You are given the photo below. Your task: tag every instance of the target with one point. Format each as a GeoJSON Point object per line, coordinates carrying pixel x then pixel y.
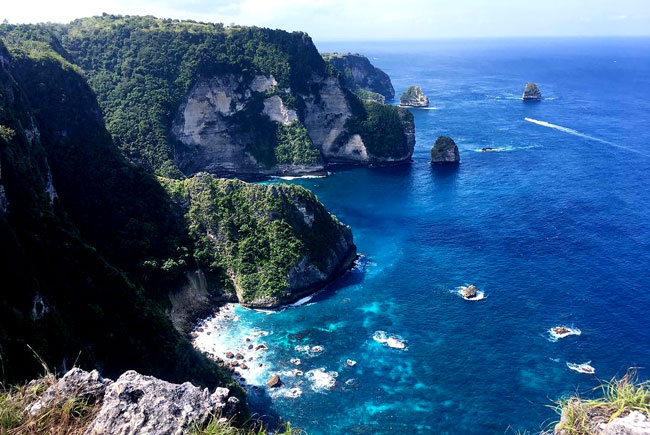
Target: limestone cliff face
{"type": "Point", "coordinates": [358, 72]}
{"type": "Point", "coordinates": [223, 126]}
{"type": "Point", "coordinates": [326, 116]}
{"type": "Point", "coordinates": [211, 132]}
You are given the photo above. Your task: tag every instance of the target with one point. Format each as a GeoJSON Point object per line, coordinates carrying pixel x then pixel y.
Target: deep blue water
{"type": "Point", "coordinates": [555, 230]}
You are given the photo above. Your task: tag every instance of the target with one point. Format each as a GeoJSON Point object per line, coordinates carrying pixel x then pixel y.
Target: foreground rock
{"type": "Point", "coordinates": [88, 386]}
{"type": "Point", "coordinates": [275, 244]}
{"type": "Point", "coordinates": [359, 74]}
{"type": "Point", "coordinates": [532, 92]}
{"type": "Point", "coordinates": [598, 422]}
{"type": "Point", "coordinates": [445, 151]}
{"type": "Point", "coordinates": [414, 97]}
{"type": "Point", "coordinates": [137, 404]}
{"type": "Point", "coordinates": [146, 405]}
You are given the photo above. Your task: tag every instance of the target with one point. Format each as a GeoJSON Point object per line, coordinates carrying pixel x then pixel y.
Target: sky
{"type": "Point", "coordinates": [331, 20]}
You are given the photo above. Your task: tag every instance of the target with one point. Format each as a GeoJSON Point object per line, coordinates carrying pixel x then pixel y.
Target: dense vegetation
{"type": "Point", "coordinates": [295, 147]}
{"type": "Point", "coordinates": [361, 77]}
{"type": "Point", "coordinates": [142, 67]}
{"type": "Point", "coordinates": [254, 234]}
{"type": "Point", "coordinates": [382, 128]}
{"type": "Point", "coordinates": [91, 245]}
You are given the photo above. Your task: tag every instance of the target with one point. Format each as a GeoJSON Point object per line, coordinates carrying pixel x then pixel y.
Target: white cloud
{"type": "Point", "coordinates": [369, 19]}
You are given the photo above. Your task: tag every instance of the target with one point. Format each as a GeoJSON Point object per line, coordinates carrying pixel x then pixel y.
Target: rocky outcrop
{"type": "Point", "coordinates": [359, 73]}
{"type": "Point", "coordinates": [469, 291]}
{"type": "Point", "coordinates": [598, 421]}
{"type": "Point", "coordinates": [77, 383]}
{"type": "Point", "coordinates": [414, 97]}
{"type": "Point", "coordinates": [284, 245]}
{"type": "Point", "coordinates": [137, 404]}
{"type": "Point", "coordinates": [445, 151]}
{"type": "Point", "coordinates": [532, 92]}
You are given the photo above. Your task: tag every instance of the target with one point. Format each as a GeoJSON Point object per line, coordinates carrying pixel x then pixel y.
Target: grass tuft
{"type": "Point", "coordinates": [619, 397]}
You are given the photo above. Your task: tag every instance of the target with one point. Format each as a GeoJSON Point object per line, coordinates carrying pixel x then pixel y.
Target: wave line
{"type": "Point", "coordinates": [585, 136]}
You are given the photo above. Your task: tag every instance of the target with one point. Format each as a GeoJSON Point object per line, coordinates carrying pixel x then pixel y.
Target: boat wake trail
{"type": "Point", "coordinates": [582, 135]}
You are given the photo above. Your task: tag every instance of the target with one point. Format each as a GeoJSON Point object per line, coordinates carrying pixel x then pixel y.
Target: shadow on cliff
{"type": "Point", "coordinates": [354, 276]}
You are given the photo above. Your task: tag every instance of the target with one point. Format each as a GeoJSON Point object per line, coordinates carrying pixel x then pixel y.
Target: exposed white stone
{"type": "Point", "coordinates": [263, 83]}
{"type": "Point", "coordinates": [275, 109]}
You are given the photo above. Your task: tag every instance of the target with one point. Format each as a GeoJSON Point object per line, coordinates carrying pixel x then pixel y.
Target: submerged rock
{"type": "Point", "coordinates": [532, 92]}
{"type": "Point", "coordinates": [445, 151]}
{"type": "Point", "coordinates": [414, 97]}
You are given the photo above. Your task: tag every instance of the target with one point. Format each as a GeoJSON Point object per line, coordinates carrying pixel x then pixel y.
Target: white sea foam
{"type": "Point", "coordinates": [296, 177]}
{"type": "Point", "coordinates": [585, 368]}
{"type": "Point", "coordinates": [558, 332]}
{"type": "Point", "coordinates": [321, 379]}
{"type": "Point", "coordinates": [585, 136]}
{"type": "Point", "coordinates": [390, 340]}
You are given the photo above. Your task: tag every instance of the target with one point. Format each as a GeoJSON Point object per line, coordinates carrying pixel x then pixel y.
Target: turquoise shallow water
{"type": "Point", "coordinates": [554, 230]}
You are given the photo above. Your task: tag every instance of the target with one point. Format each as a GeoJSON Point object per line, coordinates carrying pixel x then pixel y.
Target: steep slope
{"type": "Point", "coordinates": [84, 260]}
{"type": "Point", "coordinates": [362, 77]}
{"type": "Point", "coordinates": [275, 243]}
{"type": "Point", "coordinates": [182, 97]}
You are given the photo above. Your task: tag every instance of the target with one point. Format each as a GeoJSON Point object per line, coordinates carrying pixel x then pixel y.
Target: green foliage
{"type": "Point", "coordinates": [382, 128]}
{"type": "Point", "coordinates": [365, 94]}
{"type": "Point", "coordinates": [219, 427]}
{"type": "Point", "coordinates": [142, 67]}
{"type": "Point", "coordinates": [294, 145]}
{"type": "Point", "coordinates": [619, 396]}
{"type": "Point", "coordinates": [102, 255]}
{"type": "Point", "coordinates": [254, 234]}
{"type": "Point", "coordinates": [412, 93]}
{"type": "Point", "coordinates": [6, 133]}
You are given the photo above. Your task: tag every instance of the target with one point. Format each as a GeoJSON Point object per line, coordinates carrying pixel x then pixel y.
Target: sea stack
{"type": "Point", "coordinates": [531, 92]}
{"type": "Point", "coordinates": [445, 151]}
{"type": "Point", "coordinates": [414, 97]}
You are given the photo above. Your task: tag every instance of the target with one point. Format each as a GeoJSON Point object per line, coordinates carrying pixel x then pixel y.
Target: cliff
{"type": "Point", "coordinates": [273, 244]}
{"type": "Point", "coordinates": [90, 244]}
{"type": "Point", "coordinates": [183, 97]}
{"type": "Point", "coordinates": [445, 150]}
{"type": "Point", "coordinates": [106, 268]}
{"type": "Point", "coordinates": [361, 77]}
{"type": "Point", "coordinates": [531, 92]}
{"type": "Point", "coordinates": [414, 97]}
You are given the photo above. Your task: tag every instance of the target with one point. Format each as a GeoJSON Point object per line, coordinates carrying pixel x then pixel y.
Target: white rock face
{"type": "Point", "coordinates": [635, 423]}
{"type": "Point", "coordinates": [89, 386]}
{"type": "Point", "coordinates": [137, 404]}
{"type": "Point", "coordinates": [325, 118]}
{"type": "Point", "coordinates": [275, 109]}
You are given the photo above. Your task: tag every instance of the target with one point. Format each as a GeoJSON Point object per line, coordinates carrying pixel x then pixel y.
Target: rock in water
{"type": "Point", "coordinates": [445, 151]}
{"type": "Point", "coordinates": [414, 97]}
{"type": "Point", "coordinates": [469, 291]}
{"type": "Point", "coordinates": [532, 92]}
{"type": "Point", "coordinates": [274, 381]}
{"type": "Point", "coordinates": [145, 405]}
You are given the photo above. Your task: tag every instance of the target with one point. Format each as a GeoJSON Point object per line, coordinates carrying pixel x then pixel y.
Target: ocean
{"type": "Point", "coordinates": [554, 229]}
